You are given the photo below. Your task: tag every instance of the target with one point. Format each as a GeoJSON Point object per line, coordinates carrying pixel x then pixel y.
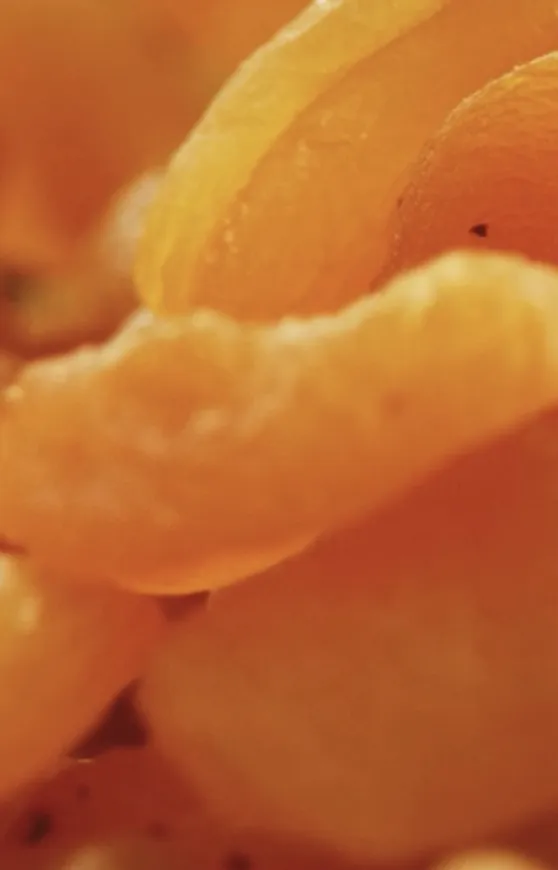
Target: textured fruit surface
{"type": "Point", "coordinates": [319, 129]}
{"type": "Point", "coordinates": [487, 180]}
{"type": "Point", "coordinates": [65, 652]}
{"type": "Point", "coordinates": [201, 423]}
{"type": "Point", "coordinates": [395, 688]}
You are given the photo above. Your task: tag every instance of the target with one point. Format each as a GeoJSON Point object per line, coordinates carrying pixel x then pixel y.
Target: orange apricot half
{"type": "Point", "coordinates": [393, 690]}
{"type": "Point", "coordinates": [189, 452]}
{"type": "Point", "coordinates": [487, 179]}
{"type": "Point", "coordinates": [279, 200]}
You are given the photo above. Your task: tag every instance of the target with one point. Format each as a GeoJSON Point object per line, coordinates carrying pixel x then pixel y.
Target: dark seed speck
{"type": "Point", "coordinates": [480, 230]}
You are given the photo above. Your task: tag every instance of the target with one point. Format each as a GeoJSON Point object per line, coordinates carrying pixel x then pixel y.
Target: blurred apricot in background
{"type": "Point", "coordinates": [91, 94]}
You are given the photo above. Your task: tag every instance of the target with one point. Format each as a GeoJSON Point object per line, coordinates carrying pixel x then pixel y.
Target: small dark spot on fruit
{"type": "Point", "coordinates": [480, 230]}
{"type": "Point", "coordinates": [38, 826]}
{"type": "Point", "coordinates": [237, 861]}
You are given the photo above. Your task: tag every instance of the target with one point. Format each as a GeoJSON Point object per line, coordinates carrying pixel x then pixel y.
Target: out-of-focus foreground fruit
{"type": "Point", "coordinates": [92, 93]}
{"type": "Point", "coordinates": [87, 294]}
{"type": "Point", "coordinates": [128, 810]}
{"type": "Point", "coordinates": [394, 690]}
{"type": "Point", "coordinates": [65, 652]}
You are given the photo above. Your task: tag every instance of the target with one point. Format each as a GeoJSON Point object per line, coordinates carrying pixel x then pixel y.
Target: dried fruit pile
{"type": "Point", "coordinates": [304, 363]}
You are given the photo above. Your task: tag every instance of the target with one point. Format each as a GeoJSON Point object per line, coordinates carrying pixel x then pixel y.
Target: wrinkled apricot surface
{"type": "Point", "coordinates": [319, 129]}
{"type": "Point", "coordinates": [487, 179]}
{"type": "Point", "coordinates": [204, 424]}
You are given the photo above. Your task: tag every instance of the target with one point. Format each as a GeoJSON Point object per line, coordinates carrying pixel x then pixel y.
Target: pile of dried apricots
{"type": "Point", "coordinates": [278, 434]}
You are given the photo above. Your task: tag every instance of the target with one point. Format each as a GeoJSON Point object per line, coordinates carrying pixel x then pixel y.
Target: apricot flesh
{"type": "Point", "coordinates": [393, 690]}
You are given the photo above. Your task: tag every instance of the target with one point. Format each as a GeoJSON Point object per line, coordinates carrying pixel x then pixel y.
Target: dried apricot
{"type": "Point", "coordinates": [279, 201]}
{"type": "Point", "coordinates": [487, 179]}
{"type": "Point", "coordinates": [129, 807]}
{"type": "Point", "coordinates": [122, 793]}
{"type": "Point", "coordinates": [189, 452]}
{"type": "Point", "coordinates": [394, 690]}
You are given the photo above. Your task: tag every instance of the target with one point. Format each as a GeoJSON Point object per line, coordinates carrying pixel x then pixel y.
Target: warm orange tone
{"type": "Point", "coordinates": [91, 93]}
{"type": "Point", "coordinates": [206, 849]}
{"type": "Point", "coordinates": [255, 439]}
{"type": "Point", "coordinates": [65, 652]}
{"type": "Point", "coordinates": [488, 179]}
{"type": "Point", "coordinates": [131, 853]}
{"type": "Point", "coordinates": [88, 294]}
{"type": "Point", "coordinates": [129, 810]}
{"type": "Point", "coordinates": [318, 130]}
{"type": "Point", "coordinates": [120, 794]}
{"type": "Point", "coordinates": [395, 688]}
{"type": "Point", "coordinates": [9, 366]}
{"type": "Point", "coordinates": [490, 860]}
{"type": "Point", "coordinates": [378, 454]}
{"type": "Point", "coordinates": [220, 34]}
